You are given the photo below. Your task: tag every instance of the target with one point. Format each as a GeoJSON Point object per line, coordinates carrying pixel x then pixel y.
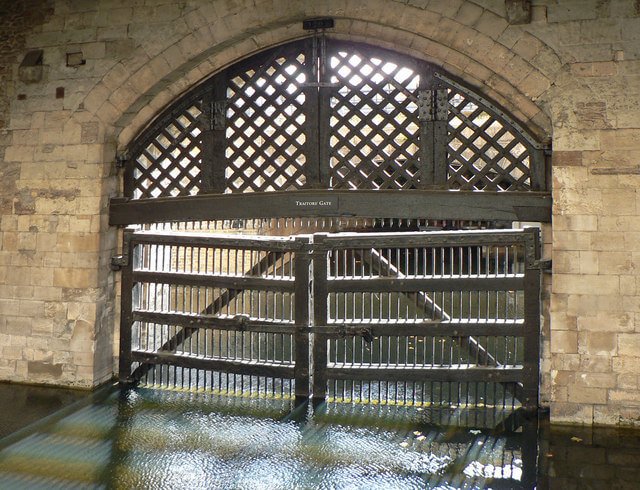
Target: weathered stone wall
{"type": "Point", "coordinates": [595, 336]}
{"type": "Point", "coordinates": [56, 292]}
{"type": "Point", "coordinates": [572, 74]}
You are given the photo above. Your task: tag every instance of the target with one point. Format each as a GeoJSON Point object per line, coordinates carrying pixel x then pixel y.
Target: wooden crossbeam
{"type": "Point", "coordinates": [185, 333]}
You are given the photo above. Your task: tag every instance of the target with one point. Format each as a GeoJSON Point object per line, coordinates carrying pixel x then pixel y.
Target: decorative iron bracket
{"type": "Point", "coordinates": [118, 262]}
{"type": "Point", "coordinates": [121, 159]}
{"type": "Point", "coordinates": [425, 105]}
{"type": "Point", "coordinates": [442, 104]}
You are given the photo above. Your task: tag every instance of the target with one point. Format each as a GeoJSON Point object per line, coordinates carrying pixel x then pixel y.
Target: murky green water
{"type": "Point", "coordinates": [163, 439]}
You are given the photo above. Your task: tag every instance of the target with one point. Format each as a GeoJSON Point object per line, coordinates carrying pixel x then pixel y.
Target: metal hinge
{"type": "Point", "coordinates": [242, 320]}
{"type": "Point", "coordinates": [118, 262]}
{"type": "Point", "coordinates": [121, 159]}
{"type": "Point", "coordinates": [545, 265]}
{"type": "Point", "coordinates": [365, 333]}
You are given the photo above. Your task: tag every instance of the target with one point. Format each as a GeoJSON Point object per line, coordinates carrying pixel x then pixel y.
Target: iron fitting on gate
{"type": "Point", "coordinates": [344, 331]}
{"type": "Point", "coordinates": [242, 321]}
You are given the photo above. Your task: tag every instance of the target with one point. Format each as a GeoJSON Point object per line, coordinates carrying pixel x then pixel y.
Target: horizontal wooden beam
{"type": "Point", "coordinates": [444, 373]}
{"type": "Point", "coordinates": [424, 329]}
{"type": "Point", "coordinates": [515, 328]}
{"type": "Point", "coordinates": [208, 280]}
{"type": "Point", "coordinates": [435, 284]}
{"type": "Point", "coordinates": [202, 321]}
{"type": "Point", "coordinates": [377, 240]}
{"type": "Point", "coordinates": [249, 368]}
{"type": "Point", "coordinates": [205, 239]}
{"type": "Point", "coordinates": [406, 204]}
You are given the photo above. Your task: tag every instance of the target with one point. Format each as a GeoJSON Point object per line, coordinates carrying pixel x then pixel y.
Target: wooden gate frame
{"type": "Point", "coordinates": [528, 376]}
{"type": "Point", "coordinates": [190, 324]}
{"type": "Point", "coordinates": [311, 258]}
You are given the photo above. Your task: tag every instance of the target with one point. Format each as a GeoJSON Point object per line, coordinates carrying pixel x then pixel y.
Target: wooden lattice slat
{"type": "Point", "coordinates": [169, 165]}
{"type": "Point", "coordinates": [334, 116]}
{"type": "Point", "coordinates": [483, 152]}
{"type": "Point", "coordinates": [265, 119]}
{"type": "Point", "coordinates": [374, 123]}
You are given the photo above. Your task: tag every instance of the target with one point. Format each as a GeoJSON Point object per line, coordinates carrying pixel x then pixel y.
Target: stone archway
{"type": "Point", "coordinates": [323, 127]}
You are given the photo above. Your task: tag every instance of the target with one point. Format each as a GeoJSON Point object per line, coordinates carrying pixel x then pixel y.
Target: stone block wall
{"type": "Point", "coordinates": [595, 359]}
{"type": "Point", "coordinates": [108, 66]}
{"type": "Point", "coordinates": [56, 291]}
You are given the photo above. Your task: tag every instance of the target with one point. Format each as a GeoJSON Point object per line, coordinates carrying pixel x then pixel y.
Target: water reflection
{"type": "Point", "coordinates": [165, 439]}
{"type": "Point", "coordinates": [21, 405]}
{"type": "Point", "coordinates": [589, 458]}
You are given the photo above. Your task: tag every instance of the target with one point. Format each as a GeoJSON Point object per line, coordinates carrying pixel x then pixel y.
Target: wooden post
{"type": "Point", "coordinates": [426, 117]}
{"type": "Point", "coordinates": [319, 360]}
{"type": "Point", "coordinates": [537, 167]}
{"type": "Point", "coordinates": [324, 116]}
{"type": "Point", "coordinates": [311, 122]}
{"type": "Point", "coordinates": [214, 138]}
{"type": "Point", "coordinates": [531, 374]}
{"type": "Point", "coordinates": [302, 333]}
{"type": "Point", "coordinates": [126, 313]}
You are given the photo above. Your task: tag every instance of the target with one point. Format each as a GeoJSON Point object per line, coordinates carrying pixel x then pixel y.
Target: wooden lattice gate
{"type": "Point", "coordinates": [436, 318]}
{"type": "Point", "coordinates": [339, 123]}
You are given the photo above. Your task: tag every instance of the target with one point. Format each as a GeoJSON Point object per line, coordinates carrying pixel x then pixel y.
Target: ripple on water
{"type": "Point", "coordinates": [175, 440]}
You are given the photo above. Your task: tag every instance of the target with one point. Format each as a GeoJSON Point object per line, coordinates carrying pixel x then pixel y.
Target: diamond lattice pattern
{"type": "Point", "coordinates": [265, 119]}
{"type": "Point", "coordinates": [374, 123]}
{"type": "Point", "coordinates": [483, 153]}
{"type": "Point", "coordinates": [170, 164]}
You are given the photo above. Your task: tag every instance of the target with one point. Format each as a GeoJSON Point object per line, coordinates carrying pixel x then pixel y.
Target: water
{"type": "Point", "coordinates": [155, 439]}
{"type": "Point", "coordinates": [21, 405]}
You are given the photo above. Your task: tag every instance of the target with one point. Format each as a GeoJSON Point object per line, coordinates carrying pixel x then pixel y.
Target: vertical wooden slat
{"type": "Point", "coordinates": [531, 375]}
{"type": "Point", "coordinates": [301, 337]}
{"type": "Point", "coordinates": [126, 313]}
{"type": "Point", "coordinates": [311, 122]}
{"type": "Point", "coordinates": [324, 115]}
{"type": "Point", "coordinates": [440, 162]}
{"type": "Point", "coordinates": [319, 361]}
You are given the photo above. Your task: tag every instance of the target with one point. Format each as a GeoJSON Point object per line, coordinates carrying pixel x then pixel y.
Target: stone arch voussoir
{"type": "Point", "coordinates": [478, 46]}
